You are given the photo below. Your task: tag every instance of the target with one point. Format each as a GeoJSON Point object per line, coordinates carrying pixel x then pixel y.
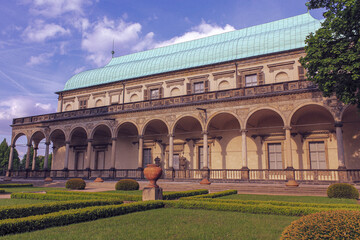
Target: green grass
{"type": "Point", "coordinates": [9, 202]}
{"type": "Point", "coordinates": [132, 192]}
{"type": "Point", "coordinates": [305, 199]}
{"type": "Point", "coordinates": [31, 189]}
{"type": "Point", "coordinates": [171, 224]}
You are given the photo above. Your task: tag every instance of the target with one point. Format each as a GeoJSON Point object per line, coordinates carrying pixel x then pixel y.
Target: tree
{"type": "Point", "coordinates": [332, 56]}
{"type": "Point", "coordinates": [4, 157]}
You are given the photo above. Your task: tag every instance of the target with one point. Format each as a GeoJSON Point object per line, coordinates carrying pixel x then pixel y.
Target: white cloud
{"type": "Point", "coordinates": [80, 69]}
{"type": "Point", "coordinates": [40, 31]}
{"type": "Point", "coordinates": [42, 58]}
{"type": "Point", "coordinates": [20, 107]}
{"type": "Point", "coordinates": [55, 8]}
{"type": "Point", "coordinates": [98, 39]}
{"type": "Point", "coordinates": [202, 30]}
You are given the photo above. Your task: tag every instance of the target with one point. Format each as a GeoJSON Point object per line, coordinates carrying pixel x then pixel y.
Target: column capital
{"type": "Point", "coordinates": [47, 143]}
{"type": "Point", "coordinates": [13, 145]}
{"type": "Point", "coordinates": [243, 130]}
{"type": "Point", "coordinates": [171, 135]}
{"type": "Point", "coordinates": [287, 127]}
{"type": "Point", "coordinates": [338, 124]}
{"type": "Point", "coordinates": [89, 140]}
{"type": "Point", "coordinates": [205, 132]}
{"type": "Point", "coordinates": [141, 136]}
{"type": "Point", "coordinates": [114, 139]}
{"type": "Point", "coordinates": [28, 145]}
{"type": "Point", "coordinates": [67, 142]}
{"type": "Point", "coordinates": [36, 148]}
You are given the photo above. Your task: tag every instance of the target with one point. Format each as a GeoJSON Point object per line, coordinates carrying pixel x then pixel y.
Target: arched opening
{"type": "Point", "coordinates": [37, 151]}
{"type": "Point", "coordinates": [155, 138]}
{"type": "Point", "coordinates": [188, 143]}
{"type": "Point", "coordinates": [224, 85]}
{"type": "Point", "coordinates": [101, 147]}
{"type": "Point", "coordinates": [19, 152]}
{"type": "Point", "coordinates": [266, 129]}
{"type": "Point", "coordinates": [78, 145]}
{"type": "Point", "coordinates": [134, 98]}
{"type": "Point", "coordinates": [314, 137]}
{"type": "Point", "coordinates": [127, 146]}
{"type": "Point", "coordinates": [281, 77]}
{"type": "Point", "coordinates": [175, 92]}
{"type": "Point", "coordinates": [68, 107]}
{"type": "Point", "coordinates": [57, 137]}
{"type": "Point", "coordinates": [351, 137]}
{"type": "Point", "coordinates": [99, 103]}
{"type": "Point", "coordinates": [225, 140]}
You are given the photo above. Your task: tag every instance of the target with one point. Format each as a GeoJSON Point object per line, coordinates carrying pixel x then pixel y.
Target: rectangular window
{"type": "Point", "coordinates": [275, 156]}
{"type": "Point", "coordinates": [176, 164]}
{"type": "Point", "coordinates": [147, 157]}
{"type": "Point", "coordinates": [154, 94]}
{"type": "Point", "coordinates": [317, 155]}
{"type": "Point", "coordinates": [251, 80]}
{"type": "Point", "coordinates": [82, 104]}
{"type": "Point", "coordinates": [199, 87]}
{"type": "Point", "coordinates": [201, 153]}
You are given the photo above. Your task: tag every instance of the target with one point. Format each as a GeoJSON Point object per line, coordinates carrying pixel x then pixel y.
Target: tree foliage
{"type": "Point", "coordinates": [332, 56]}
{"type": "Point", "coordinates": [4, 157]}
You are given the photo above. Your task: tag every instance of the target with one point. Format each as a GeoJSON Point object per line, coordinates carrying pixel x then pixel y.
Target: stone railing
{"type": "Point", "coordinates": [215, 175]}
{"type": "Point", "coordinates": [191, 99]}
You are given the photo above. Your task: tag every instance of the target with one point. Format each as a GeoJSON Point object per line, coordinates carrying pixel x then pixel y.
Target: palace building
{"type": "Point", "coordinates": [229, 107]}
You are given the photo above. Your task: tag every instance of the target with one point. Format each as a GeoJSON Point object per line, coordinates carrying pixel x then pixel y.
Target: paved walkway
{"type": "Point", "coordinates": [243, 188]}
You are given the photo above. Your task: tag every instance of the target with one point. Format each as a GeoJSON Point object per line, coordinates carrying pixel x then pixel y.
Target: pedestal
{"type": "Point", "coordinates": [152, 194]}
{"type": "Point", "coordinates": [98, 179]}
{"type": "Point", "coordinates": [48, 179]}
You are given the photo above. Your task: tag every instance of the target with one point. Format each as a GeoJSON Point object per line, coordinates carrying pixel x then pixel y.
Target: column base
{"type": "Point", "coordinates": [152, 194]}
{"type": "Point", "coordinates": [292, 183]}
{"type": "Point", "coordinates": [341, 168]}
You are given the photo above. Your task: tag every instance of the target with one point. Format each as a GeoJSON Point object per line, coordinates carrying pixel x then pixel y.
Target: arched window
{"type": "Point", "coordinates": [175, 92]}
{"type": "Point", "coordinates": [134, 98]}
{"type": "Point", "coordinates": [224, 85]}
{"type": "Point", "coordinates": [281, 77]}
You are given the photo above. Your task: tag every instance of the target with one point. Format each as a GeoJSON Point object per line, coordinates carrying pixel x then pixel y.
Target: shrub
{"type": "Point", "coordinates": [20, 211]}
{"type": "Point", "coordinates": [75, 183]}
{"type": "Point", "coordinates": [339, 224]}
{"type": "Point", "coordinates": [127, 185]}
{"type": "Point", "coordinates": [63, 197]}
{"type": "Point", "coordinates": [342, 190]}
{"type": "Point", "coordinates": [12, 185]}
{"type": "Point", "coordinates": [238, 207]}
{"type": "Point", "coordinates": [67, 217]}
{"type": "Point", "coordinates": [2, 190]}
{"type": "Point", "coordinates": [176, 195]}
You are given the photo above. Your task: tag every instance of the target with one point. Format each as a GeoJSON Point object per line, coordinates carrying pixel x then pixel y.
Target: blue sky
{"type": "Point", "coordinates": [45, 42]}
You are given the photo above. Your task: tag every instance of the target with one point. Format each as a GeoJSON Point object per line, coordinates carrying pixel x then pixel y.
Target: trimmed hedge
{"type": "Point", "coordinates": [342, 190]}
{"type": "Point", "coordinates": [124, 197]}
{"type": "Point", "coordinates": [20, 211]}
{"type": "Point", "coordinates": [13, 185]}
{"type": "Point", "coordinates": [127, 185]}
{"type": "Point", "coordinates": [337, 224]}
{"type": "Point", "coordinates": [277, 203]}
{"type": "Point", "coordinates": [64, 197]}
{"type": "Point", "coordinates": [2, 190]}
{"type": "Point", "coordinates": [32, 223]}
{"type": "Point", "coordinates": [237, 207]}
{"type": "Point", "coordinates": [217, 194]}
{"type": "Point", "coordinates": [75, 183]}
{"type": "Point", "coordinates": [176, 195]}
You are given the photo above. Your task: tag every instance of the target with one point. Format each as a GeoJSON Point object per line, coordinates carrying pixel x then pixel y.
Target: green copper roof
{"type": "Point", "coordinates": [277, 36]}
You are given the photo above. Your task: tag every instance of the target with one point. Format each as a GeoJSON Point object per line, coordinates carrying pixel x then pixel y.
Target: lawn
{"type": "Point", "coordinates": [31, 189]}
{"type": "Point", "coordinates": [305, 199]}
{"type": "Point", "coordinates": [9, 202]}
{"type": "Point", "coordinates": [171, 224]}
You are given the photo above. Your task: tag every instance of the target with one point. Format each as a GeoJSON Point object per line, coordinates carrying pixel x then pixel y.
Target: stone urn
{"type": "Point", "coordinates": [152, 172]}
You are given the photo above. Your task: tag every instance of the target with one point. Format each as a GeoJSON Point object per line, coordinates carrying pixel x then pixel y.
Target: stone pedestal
{"type": "Point", "coordinates": [48, 179]}
{"type": "Point", "coordinates": [152, 193]}
{"type": "Point", "coordinates": [98, 179]}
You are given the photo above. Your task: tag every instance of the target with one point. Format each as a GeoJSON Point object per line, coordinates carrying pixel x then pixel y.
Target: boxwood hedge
{"type": "Point", "coordinates": [20, 211]}
{"type": "Point", "coordinates": [179, 194]}
{"type": "Point", "coordinates": [342, 190]}
{"type": "Point", "coordinates": [32, 223]}
{"type": "Point", "coordinates": [217, 194]}
{"type": "Point", "coordinates": [13, 185]}
{"type": "Point", "coordinates": [2, 190]}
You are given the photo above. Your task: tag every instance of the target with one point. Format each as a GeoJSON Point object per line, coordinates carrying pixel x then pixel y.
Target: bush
{"type": "Point", "coordinates": [127, 185]}
{"type": "Point", "coordinates": [67, 217]}
{"type": "Point", "coordinates": [75, 183]}
{"type": "Point", "coordinates": [342, 190]}
{"type": "Point", "coordinates": [2, 190]}
{"type": "Point", "coordinates": [63, 197]}
{"type": "Point", "coordinates": [12, 185]}
{"type": "Point", "coordinates": [339, 224]}
{"type": "Point", "coordinates": [238, 207]}
{"type": "Point", "coordinates": [176, 195]}
{"type": "Point", "coordinates": [20, 211]}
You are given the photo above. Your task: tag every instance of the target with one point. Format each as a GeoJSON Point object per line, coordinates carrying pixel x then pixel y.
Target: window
{"type": "Point", "coordinates": [199, 87]}
{"type": "Point", "coordinates": [82, 104]}
{"type": "Point", "coordinates": [251, 80]}
{"type": "Point", "coordinates": [154, 94]}
{"type": "Point", "coordinates": [275, 156]}
{"type": "Point", "coordinates": [147, 157]}
{"type": "Point", "coordinates": [317, 155]}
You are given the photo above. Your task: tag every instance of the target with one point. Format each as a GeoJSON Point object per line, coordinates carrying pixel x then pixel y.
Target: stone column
{"type": "Point", "coordinates": [244, 148]}
{"type": "Point", "coordinates": [141, 146]}
{"type": "Point", "coordinates": [288, 152]}
{"type": "Point", "coordinates": [27, 161]}
{"type": "Point", "coordinates": [53, 155]}
{"type": "Point", "coordinates": [113, 152]}
{"type": "Point", "coordinates": [10, 166]}
{"type": "Point", "coordinates": [67, 151]}
{"type": "Point", "coordinates": [88, 154]}
{"type": "Point", "coordinates": [171, 151]}
{"type": "Point", "coordinates": [46, 160]}
{"type": "Point", "coordinates": [340, 145]}
{"type": "Point", "coordinates": [205, 150]}
{"type": "Point", "coordinates": [34, 158]}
